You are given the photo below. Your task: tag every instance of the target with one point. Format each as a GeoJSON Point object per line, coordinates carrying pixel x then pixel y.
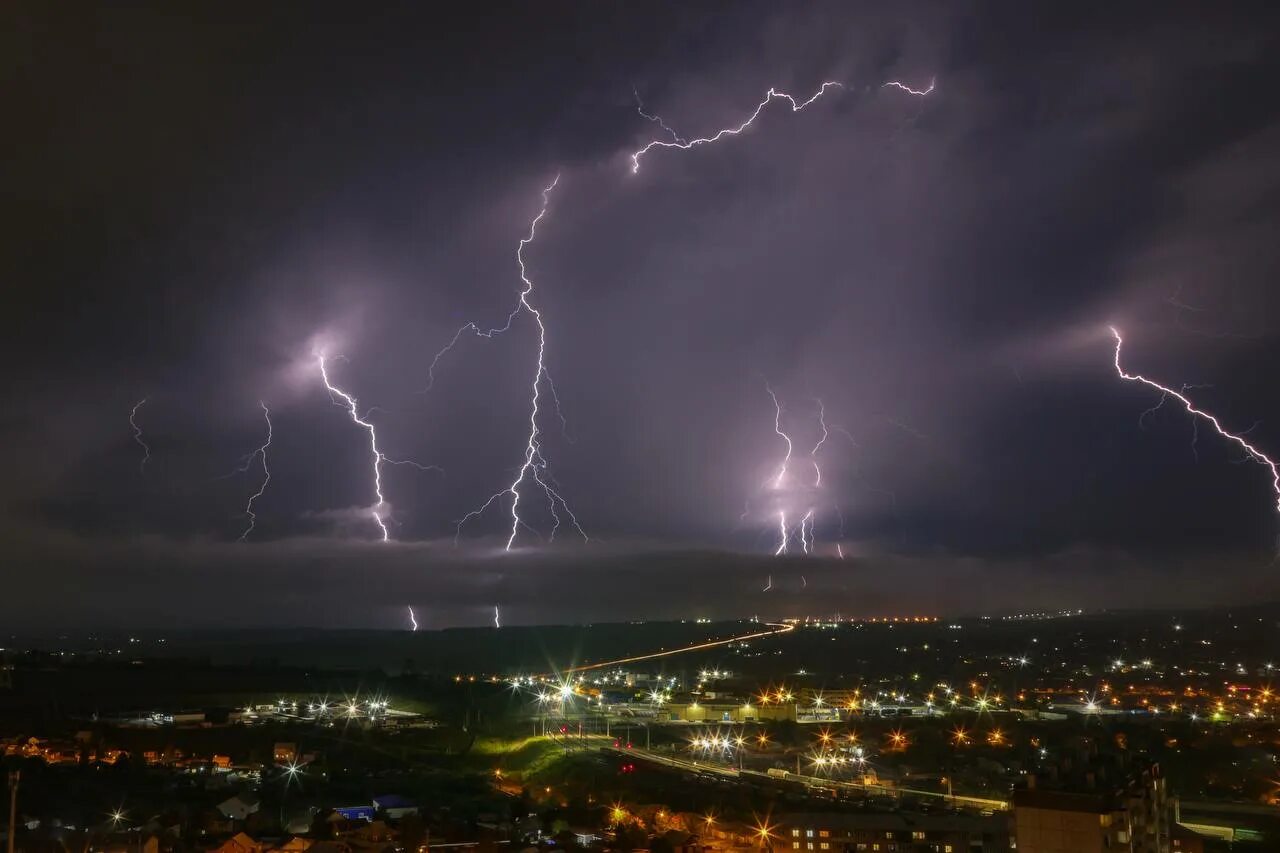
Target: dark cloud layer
{"type": "Point", "coordinates": [197, 199]}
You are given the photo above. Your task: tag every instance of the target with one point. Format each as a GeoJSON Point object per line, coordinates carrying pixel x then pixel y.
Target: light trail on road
{"type": "Point", "coordinates": [781, 628]}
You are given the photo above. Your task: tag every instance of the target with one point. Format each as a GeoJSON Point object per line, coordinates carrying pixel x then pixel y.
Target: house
{"type": "Point", "coordinates": [240, 806]}
{"type": "Point", "coordinates": [240, 843]}
{"type": "Point", "coordinates": [394, 805]}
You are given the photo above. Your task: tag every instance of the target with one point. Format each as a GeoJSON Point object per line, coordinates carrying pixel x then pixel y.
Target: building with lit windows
{"type": "Point", "coordinates": [894, 833]}
{"type": "Point", "coordinates": [1139, 817]}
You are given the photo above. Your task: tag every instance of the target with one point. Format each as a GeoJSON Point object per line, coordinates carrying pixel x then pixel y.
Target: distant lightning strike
{"type": "Point", "coordinates": [497, 617]}
{"type": "Point", "coordinates": [137, 434]}
{"type": "Point", "coordinates": [1253, 452]}
{"type": "Point", "coordinates": [348, 402]}
{"type": "Point", "coordinates": [534, 462]}
{"type": "Point", "coordinates": [266, 473]}
{"type": "Point", "coordinates": [413, 620]}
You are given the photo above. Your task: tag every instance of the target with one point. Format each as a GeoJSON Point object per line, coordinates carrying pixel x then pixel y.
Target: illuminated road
{"type": "Point", "coordinates": [816, 782]}
{"type": "Point", "coordinates": [779, 628]}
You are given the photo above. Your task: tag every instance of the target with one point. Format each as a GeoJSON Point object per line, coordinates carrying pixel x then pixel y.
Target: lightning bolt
{"type": "Point", "coordinates": [349, 403]}
{"type": "Point", "coordinates": [813, 454]}
{"type": "Point", "coordinates": [535, 463]}
{"type": "Point", "coordinates": [777, 428]}
{"type": "Point", "coordinates": [675, 137]}
{"type": "Point", "coordinates": [413, 620]}
{"type": "Point", "coordinates": [904, 87]}
{"type": "Point", "coordinates": [677, 142]}
{"type": "Point", "coordinates": [1254, 453]}
{"type": "Point", "coordinates": [773, 94]}
{"type": "Point", "coordinates": [137, 434]}
{"type": "Point", "coordinates": [497, 617]}
{"type": "Point", "coordinates": [768, 584]}
{"type": "Point", "coordinates": [266, 473]}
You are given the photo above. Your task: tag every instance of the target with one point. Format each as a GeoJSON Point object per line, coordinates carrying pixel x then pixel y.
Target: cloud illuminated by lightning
{"type": "Point", "coordinates": [535, 463]}
{"type": "Point", "coordinates": [137, 434]}
{"type": "Point", "coordinates": [349, 403]}
{"type": "Point", "coordinates": [266, 473]}
{"type": "Point", "coordinates": [1254, 453]}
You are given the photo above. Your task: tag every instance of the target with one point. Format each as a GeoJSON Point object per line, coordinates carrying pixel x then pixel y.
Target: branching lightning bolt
{"type": "Point", "coordinates": [1253, 453]}
{"type": "Point", "coordinates": [348, 402]}
{"type": "Point", "coordinates": [534, 466]}
{"type": "Point", "coordinates": [266, 473]}
{"type": "Point", "coordinates": [413, 620]}
{"type": "Point", "coordinates": [137, 434]}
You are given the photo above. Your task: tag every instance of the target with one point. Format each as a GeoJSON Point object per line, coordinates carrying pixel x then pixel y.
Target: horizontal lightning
{"type": "Point", "coordinates": [686, 144]}
{"type": "Point", "coordinates": [904, 87]}
{"type": "Point", "coordinates": [1235, 438]}
{"type": "Point", "coordinates": [773, 94]}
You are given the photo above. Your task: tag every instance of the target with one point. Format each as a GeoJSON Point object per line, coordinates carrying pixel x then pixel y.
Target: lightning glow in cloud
{"type": "Point", "coordinates": [344, 400]}
{"type": "Point", "coordinates": [1254, 453]}
{"type": "Point", "coordinates": [266, 473]}
{"type": "Point", "coordinates": [137, 434]}
{"type": "Point", "coordinates": [535, 464]}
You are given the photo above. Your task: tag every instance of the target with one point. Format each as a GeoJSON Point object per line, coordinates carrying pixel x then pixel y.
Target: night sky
{"type": "Point", "coordinates": [198, 199]}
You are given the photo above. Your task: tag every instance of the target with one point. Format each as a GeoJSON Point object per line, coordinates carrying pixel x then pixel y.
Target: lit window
{"type": "Point", "coordinates": [825, 845]}
{"type": "Point", "coordinates": [808, 833]}
{"type": "Point", "coordinates": [810, 845]}
{"type": "Point", "coordinates": [917, 835]}
{"type": "Point", "coordinates": [824, 833]}
{"type": "Point", "coordinates": [795, 845]}
{"type": "Point", "coordinates": [795, 833]}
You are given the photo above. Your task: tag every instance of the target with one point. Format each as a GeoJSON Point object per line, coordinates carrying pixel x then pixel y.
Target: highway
{"type": "Point", "coordinates": [814, 782]}
{"type": "Point", "coordinates": [778, 628]}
